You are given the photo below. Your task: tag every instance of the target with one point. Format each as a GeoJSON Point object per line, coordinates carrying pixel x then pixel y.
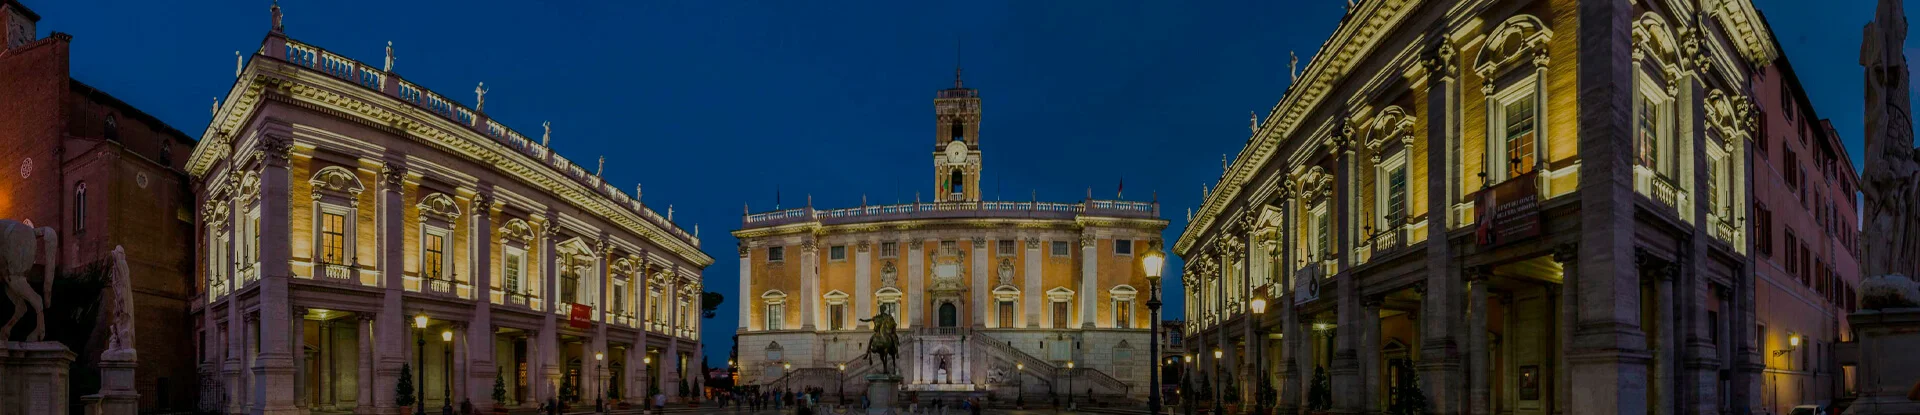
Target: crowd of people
{"type": "Point", "coordinates": [807, 401]}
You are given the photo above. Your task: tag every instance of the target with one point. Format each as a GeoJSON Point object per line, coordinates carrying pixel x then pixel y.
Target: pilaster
{"type": "Point", "coordinates": [1033, 293]}
{"type": "Point", "coordinates": [1089, 276]}
{"type": "Point", "coordinates": [978, 302]}
{"type": "Point", "coordinates": [479, 336]}
{"type": "Point", "coordinates": [1439, 362]}
{"type": "Point", "coordinates": [809, 284]}
{"type": "Point", "coordinates": [390, 326]}
{"type": "Point", "coordinates": [275, 366]}
{"type": "Point", "coordinates": [862, 285]}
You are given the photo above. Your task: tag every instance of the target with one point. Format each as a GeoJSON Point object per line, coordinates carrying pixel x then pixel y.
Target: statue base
{"type": "Point", "coordinates": [33, 377]}
{"type": "Point", "coordinates": [883, 392]}
{"type": "Point", "coordinates": [116, 396]}
{"type": "Point", "coordinates": [1888, 368]}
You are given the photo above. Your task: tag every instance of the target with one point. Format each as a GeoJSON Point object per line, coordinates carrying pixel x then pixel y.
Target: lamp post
{"type": "Point", "coordinates": [1259, 305]}
{"type": "Point", "coordinates": [841, 382]}
{"type": "Point", "coordinates": [1019, 380]}
{"type": "Point", "coordinates": [420, 360]}
{"type": "Point", "coordinates": [1070, 385]}
{"type": "Point", "coordinates": [598, 362]}
{"type": "Point", "coordinates": [446, 371]}
{"type": "Point", "coordinates": [1153, 263]}
{"type": "Point", "coordinates": [1186, 378]}
{"type": "Point", "coordinates": [1219, 385]}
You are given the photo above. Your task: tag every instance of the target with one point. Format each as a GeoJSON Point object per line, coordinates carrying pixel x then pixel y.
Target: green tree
{"type": "Point", "coordinates": [1408, 399]}
{"type": "Point", "coordinates": [710, 303]}
{"type": "Point", "coordinates": [403, 392]}
{"type": "Point", "coordinates": [1320, 395]}
{"type": "Point", "coordinates": [567, 391]}
{"type": "Point", "coordinates": [499, 387]}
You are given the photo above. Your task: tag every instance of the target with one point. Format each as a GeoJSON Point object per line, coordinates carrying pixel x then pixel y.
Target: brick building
{"type": "Point", "coordinates": [103, 174]}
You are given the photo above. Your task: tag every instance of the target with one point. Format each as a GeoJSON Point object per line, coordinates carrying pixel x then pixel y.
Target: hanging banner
{"type": "Point", "coordinates": [1508, 212]}
{"type": "Point", "coordinates": [580, 317]}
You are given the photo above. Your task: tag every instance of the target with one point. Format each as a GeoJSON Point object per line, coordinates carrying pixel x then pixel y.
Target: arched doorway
{"type": "Point", "coordinates": [949, 315]}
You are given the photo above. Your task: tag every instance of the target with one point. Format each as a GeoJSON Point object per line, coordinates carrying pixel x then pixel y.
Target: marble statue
{"type": "Point", "coordinates": [480, 97]}
{"type": "Point", "coordinates": [16, 257]}
{"type": "Point", "coordinates": [602, 168]}
{"type": "Point", "coordinates": [885, 344]}
{"type": "Point", "coordinates": [546, 136]}
{"type": "Point", "coordinates": [276, 17]}
{"type": "Point", "coordinates": [120, 342]}
{"type": "Point", "coordinates": [1891, 181]}
{"type": "Point", "coordinates": [238, 64]}
{"type": "Point", "coordinates": [389, 66]}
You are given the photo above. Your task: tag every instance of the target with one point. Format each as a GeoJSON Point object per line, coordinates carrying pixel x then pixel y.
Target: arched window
{"type": "Point", "coordinates": [80, 207]}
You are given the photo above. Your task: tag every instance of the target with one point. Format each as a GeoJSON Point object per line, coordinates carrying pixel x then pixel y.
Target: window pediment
{"type": "Point", "coordinates": [440, 206]}
{"type": "Point", "coordinates": [1510, 43]}
{"type": "Point", "coordinates": [336, 179]}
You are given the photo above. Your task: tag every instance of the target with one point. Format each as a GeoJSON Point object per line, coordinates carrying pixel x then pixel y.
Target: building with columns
{"type": "Point", "coordinates": [990, 296]}
{"type": "Point", "coordinates": [1518, 206]}
{"type": "Point", "coordinates": [340, 205]}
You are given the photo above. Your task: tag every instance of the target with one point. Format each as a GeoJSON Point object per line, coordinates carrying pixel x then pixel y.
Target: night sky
{"type": "Point", "coordinates": [716, 104]}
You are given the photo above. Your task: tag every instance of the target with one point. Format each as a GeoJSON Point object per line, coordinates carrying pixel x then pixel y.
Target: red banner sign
{"type": "Point", "coordinates": [580, 317]}
{"type": "Point", "coordinates": [1508, 212]}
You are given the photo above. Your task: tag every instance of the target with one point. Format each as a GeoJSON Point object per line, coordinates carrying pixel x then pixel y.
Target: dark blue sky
{"type": "Point", "coordinates": [714, 104]}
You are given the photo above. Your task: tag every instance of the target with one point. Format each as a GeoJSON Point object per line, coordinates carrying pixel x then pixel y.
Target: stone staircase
{"type": "Point", "coordinates": [1049, 373]}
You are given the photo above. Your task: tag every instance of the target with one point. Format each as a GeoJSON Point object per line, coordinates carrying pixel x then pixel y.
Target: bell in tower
{"type": "Point", "coordinates": [956, 147]}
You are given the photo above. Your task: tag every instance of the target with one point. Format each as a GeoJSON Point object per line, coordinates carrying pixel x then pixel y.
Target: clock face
{"type": "Point", "coordinates": [956, 151]}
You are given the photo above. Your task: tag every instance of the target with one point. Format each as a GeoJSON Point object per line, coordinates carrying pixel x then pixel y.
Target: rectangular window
{"type": "Point", "coordinates": [1006, 313]}
{"type": "Point", "coordinates": [837, 253]}
{"type": "Point", "coordinates": [1123, 314]}
{"type": "Point", "coordinates": [776, 253]}
{"type": "Point", "coordinates": [1520, 130]}
{"type": "Point", "coordinates": [949, 246]}
{"type": "Point", "coordinates": [1762, 230]}
{"type": "Point", "coordinates": [1649, 152]}
{"type": "Point", "coordinates": [1791, 168]}
{"type": "Point", "coordinates": [1060, 248]}
{"type": "Point", "coordinates": [333, 238]}
{"type": "Point", "coordinates": [1060, 315]}
{"type": "Point", "coordinates": [619, 299]}
{"type": "Point", "coordinates": [836, 313]}
{"type": "Point", "coordinates": [1122, 247]}
{"type": "Point", "coordinates": [1391, 196]}
{"type": "Point", "coordinates": [513, 265]}
{"type": "Point", "coordinates": [432, 261]}
{"type": "Point", "coordinates": [1713, 327]}
{"type": "Point", "coordinates": [889, 249]}
{"type": "Point", "coordinates": [776, 316]}
{"type": "Point", "coordinates": [1322, 235]}
{"type": "Point", "coordinates": [1005, 247]}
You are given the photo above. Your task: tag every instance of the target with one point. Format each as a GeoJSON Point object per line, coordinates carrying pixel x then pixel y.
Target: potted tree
{"type": "Point", "coordinates": [403, 391]}
{"type": "Point", "coordinates": [568, 394]}
{"type": "Point", "coordinates": [1408, 399]}
{"type": "Point", "coordinates": [1229, 393]}
{"type": "Point", "coordinates": [499, 393]}
{"type": "Point", "coordinates": [1320, 394]}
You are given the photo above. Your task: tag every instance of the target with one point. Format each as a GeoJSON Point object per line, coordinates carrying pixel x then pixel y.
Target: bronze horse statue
{"type": "Point", "coordinates": [885, 343]}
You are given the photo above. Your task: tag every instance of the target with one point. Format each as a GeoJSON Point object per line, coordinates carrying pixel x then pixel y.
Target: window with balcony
{"type": "Point", "coordinates": [1391, 199]}
{"type": "Point", "coordinates": [776, 316]}
{"type": "Point", "coordinates": [433, 254]}
{"type": "Point", "coordinates": [1514, 126]}
{"type": "Point", "coordinates": [333, 237]}
{"type": "Point", "coordinates": [1653, 141]}
{"type": "Point", "coordinates": [513, 266]}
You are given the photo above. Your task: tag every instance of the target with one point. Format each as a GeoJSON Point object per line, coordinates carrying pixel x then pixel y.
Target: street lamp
{"type": "Point", "coordinates": [1069, 385]}
{"type": "Point", "coordinates": [598, 361]}
{"type": "Point", "coordinates": [1259, 305]}
{"type": "Point", "coordinates": [1219, 381]}
{"type": "Point", "coordinates": [1019, 380]}
{"type": "Point", "coordinates": [420, 359]}
{"type": "Point", "coordinates": [841, 382]}
{"type": "Point", "coordinates": [1153, 263]}
{"type": "Point", "coordinates": [446, 380]}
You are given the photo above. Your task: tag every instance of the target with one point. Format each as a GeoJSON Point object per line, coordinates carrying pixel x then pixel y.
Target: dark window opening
{"type": "Point", "coordinates": [959, 131]}
{"type": "Point", "coordinates": [957, 183]}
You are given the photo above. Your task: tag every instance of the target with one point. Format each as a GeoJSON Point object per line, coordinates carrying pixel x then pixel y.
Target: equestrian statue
{"type": "Point", "coordinates": [885, 344]}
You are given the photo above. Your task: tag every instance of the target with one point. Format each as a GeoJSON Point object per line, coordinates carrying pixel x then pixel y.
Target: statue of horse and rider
{"type": "Point", "coordinates": [885, 344]}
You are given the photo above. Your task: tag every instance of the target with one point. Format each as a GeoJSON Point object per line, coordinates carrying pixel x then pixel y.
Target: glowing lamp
{"type": "Point", "coordinates": [446, 336]}
{"type": "Point", "coordinates": [1217, 353]}
{"type": "Point", "coordinates": [599, 356]}
{"type": "Point", "coordinates": [1259, 305]}
{"type": "Point", "coordinates": [1152, 263]}
{"type": "Point", "coordinates": [420, 321]}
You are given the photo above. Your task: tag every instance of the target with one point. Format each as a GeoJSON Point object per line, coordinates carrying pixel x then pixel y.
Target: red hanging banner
{"type": "Point", "coordinates": [580, 317]}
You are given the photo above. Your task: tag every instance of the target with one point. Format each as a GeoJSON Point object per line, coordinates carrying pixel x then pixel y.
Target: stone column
{"type": "Point", "coordinates": [1345, 372]}
{"type": "Point", "coordinates": [235, 329]}
{"type": "Point", "coordinates": [478, 344]}
{"type": "Point", "coordinates": [462, 373]}
{"type": "Point", "coordinates": [1370, 372]}
{"type": "Point", "coordinates": [1700, 377]}
{"type": "Point", "coordinates": [275, 368]}
{"type": "Point", "coordinates": [603, 289]}
{"type": "Point", "coordinates": [1479, 365]}
{"type": "Point", "coordinates": [327, 372]}
{"type": "Point", "coordinates": [1290, 386]}
{"type": "Point", "coordinates": [862, 285]}
{"type": "Point", "coordinates": [1439, 363]}
{"type": "Point", "coordinates": [296, 334]}
{"type": "Point", "coordinates": [670, 364]}
{"type": "Point", "coordinates": [745, 299]}
{"type": "Point", "coordinates": [645, 282]}
{"type": "Point", "coordinates": [390, 325]}
{"type": "Point", "coordinates": [1033, 292]}
{"type": "Point", "coordinates": [1609, 358]}
{"type": "Point", "coordinates": [809, 284]}
{"type": "Point", "coordinates": [1089, 276]}
{"type": "Point", "coordinates": [978, 303]}
{"type": "Point", "coordinates": [1567, 301]}
{"type": "Point", "coordinates": [1662, 396]}
{"type": "Point", "coordinates": [363, 331]}
{"type": "Point", "coordinates": [546, 366]}
{"type": "Point", "coordinates": [916, 282]}
{"type": "Point", "coordinates": [252, 378]}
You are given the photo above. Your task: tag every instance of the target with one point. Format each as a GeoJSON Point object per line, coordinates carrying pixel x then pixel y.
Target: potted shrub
{"type": "Point", "coordinates": [499, 393]}
{"type": "Point", "coordinates": [403, 391]}
{"type": "Point", "coordinates": [1408, 399]}
{"type": "Point", "coordinates": [1320, 394]}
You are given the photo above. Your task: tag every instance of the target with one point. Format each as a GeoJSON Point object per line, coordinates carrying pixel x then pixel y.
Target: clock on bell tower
{"type": "Point", "coordinates": [956, 146]}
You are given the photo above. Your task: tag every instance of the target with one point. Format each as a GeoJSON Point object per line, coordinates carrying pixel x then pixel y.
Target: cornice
{"type": "Point", "coordinates": [1081, 222]}
{"type": "Point", "coordinates": [264, 74]}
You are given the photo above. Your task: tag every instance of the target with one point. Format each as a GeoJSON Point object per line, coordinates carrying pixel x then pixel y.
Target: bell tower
{"type": "Point", "coordinates": [956, 144]}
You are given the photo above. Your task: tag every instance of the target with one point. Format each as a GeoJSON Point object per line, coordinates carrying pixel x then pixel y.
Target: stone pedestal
{"type": "Point", "coordinates": [116, 396]}
{"type": "Point", "coordinates": [1888, 367]}
{"type": "Point", "coordinates": [33, 378]}
{"type": "Point", "coordinates": [882, 391]}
